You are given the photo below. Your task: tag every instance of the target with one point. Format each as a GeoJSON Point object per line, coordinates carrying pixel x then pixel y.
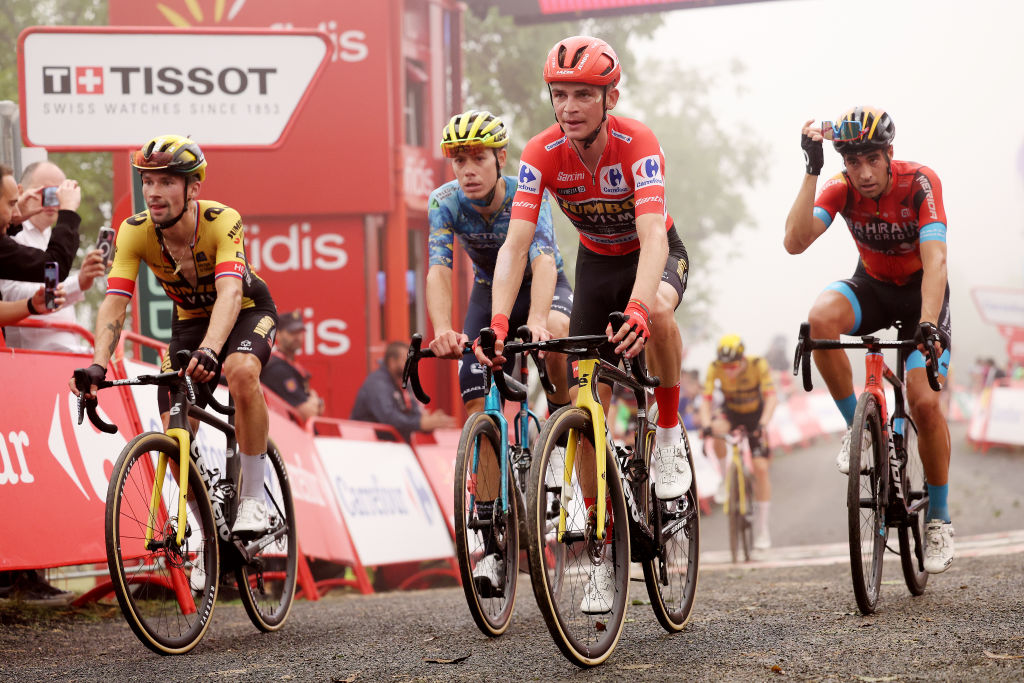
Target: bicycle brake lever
{"type": "Point", "coordinates": [411, 371]}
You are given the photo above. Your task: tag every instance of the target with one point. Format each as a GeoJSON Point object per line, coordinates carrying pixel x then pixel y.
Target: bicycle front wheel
{"type": "Point", "coordinates": [865, 502]}
{"type": "Point", "coordinates": [584, 605]}
{"type": "Point", "coordinates": [671, 576]}
{"type": "Point", "coordinates": [266, 584]}
{"type": "Point", "coordinates": [166, 590]}
{"type": "Point", "coordinates": [911, 534]}
{"type": "Point", "coordinates": [740, 528]}
{"type": "Point", "coordinates": [486, 536]}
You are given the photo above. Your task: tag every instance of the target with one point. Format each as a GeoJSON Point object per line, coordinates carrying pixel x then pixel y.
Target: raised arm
{"type": "Point", "coordinates": [802, 226]}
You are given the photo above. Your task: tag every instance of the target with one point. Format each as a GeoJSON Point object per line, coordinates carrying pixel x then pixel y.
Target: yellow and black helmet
{"type": "Point", "coordinates": [472, 130]}
{"type": "Point", "coordinates": [862, 129]}
{"type": "Point", "coordinates": [172, 153]}
{"type": "Point", "coordinates": [730, 348]}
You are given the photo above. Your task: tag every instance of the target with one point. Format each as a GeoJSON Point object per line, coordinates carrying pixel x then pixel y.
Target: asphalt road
{"type": "Point", "coordinates": [789, 616]}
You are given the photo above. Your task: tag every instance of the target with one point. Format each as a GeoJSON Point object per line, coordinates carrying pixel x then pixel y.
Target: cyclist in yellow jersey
{"type": "Point", "coordinates": [223, 311]}
{"type": "Point", "coordinates": [750, 400]}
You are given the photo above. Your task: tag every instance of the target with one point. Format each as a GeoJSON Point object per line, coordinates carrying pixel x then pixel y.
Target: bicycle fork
{"type": "Point", "coordinates": [590, 401]}
{"type": "Point", "coordinates": [184, 442]}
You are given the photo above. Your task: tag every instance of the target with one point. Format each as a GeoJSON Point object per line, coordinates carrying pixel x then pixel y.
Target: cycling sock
{"type": "Point", "coordinates": [253, 472]}
{"type": "Point", "coordinates": [847, 406]}
{"type": "Point", "coordinates": [668, 405]}
{"type": "Point", "coordinates": [485, 510]}
{"type": "Point", "coordinates": [761, 510]}
{"type": "Point", "coordinates": [938, 508]}
{"type": "Point", "coordinates": [552, 407]}
{"type": "Point", "coordinates": [667, 436]}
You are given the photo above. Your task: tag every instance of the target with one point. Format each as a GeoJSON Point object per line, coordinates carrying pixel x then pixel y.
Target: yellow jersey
{"type": "Point", "coordinates": [744, 391]}
{"type": "Point", "coordinates": [217, 249]}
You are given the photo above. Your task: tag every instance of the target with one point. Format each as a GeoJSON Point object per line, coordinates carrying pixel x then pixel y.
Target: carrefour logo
{"type": "Point", "coordinates": [613, 180]}
{"type": "Point", "coordinates": [647, 171]}
{"type": "Point", "coordinates": [529, 178]}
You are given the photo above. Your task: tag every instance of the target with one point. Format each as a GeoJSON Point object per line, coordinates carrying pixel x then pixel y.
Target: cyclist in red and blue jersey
{"type": "Point", "coordinates": [476, 207]}
{"type": "Point", "coordinates": [607, 175]}
{"type": "Point", "coordinates": [894, 212]}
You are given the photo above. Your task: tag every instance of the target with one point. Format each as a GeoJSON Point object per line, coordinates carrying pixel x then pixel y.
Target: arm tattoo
{"type": "Point", "coordinates": [114, 328]}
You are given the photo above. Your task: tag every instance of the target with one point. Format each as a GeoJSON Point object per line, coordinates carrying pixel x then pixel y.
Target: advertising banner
{"type": "Point", "coordinates": [387, 503]}
{"type": "Point", "coordinates": [121, 85]}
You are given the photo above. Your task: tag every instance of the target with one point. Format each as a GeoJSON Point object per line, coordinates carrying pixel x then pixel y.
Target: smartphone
{"type": "Point", "coordinates": [50, 196]}
{"type": "Point", "coordinates": [105, 244]}
{"type": "Point", "coordinates": [51, 276]}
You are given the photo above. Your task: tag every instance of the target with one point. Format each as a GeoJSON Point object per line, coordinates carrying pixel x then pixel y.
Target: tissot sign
{"type": "Point", "coordinates": [227, 88]}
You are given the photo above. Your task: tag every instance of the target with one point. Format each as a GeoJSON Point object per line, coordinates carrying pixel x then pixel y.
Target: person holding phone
{"type": "Point", "coordinates": [19, 262]}
{"type": "Point", "coordinates": [46, 196]}
{"type": "Point", "coordinates": [894, 212]}
{"type": "Point", "coordinates": [223, 314]}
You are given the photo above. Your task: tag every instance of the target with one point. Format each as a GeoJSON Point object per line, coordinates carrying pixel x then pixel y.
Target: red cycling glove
{"type": "Point", "coordinates": [638, 317]}
{"type": "Point", "coordinates": [499, 323]}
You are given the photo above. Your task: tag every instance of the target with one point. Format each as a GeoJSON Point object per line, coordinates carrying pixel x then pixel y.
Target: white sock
{"type": "Point", "coordinates": [666, 436]}
{"type": "Point", "coordinates": [254, 468]}
{"type": "Point", "coordinates": [761, 509]}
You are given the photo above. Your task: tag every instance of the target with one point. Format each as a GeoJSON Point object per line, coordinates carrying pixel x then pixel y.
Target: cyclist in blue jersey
{"type": "Point", "coordinates": [476, 207]}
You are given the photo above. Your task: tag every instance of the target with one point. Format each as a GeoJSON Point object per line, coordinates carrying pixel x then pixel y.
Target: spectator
{"type": "Point", "coordinates": [382, 399]}
{"type": "Point", "coordinates": [689, 396]}
{"type": "Point", "coordinates": [36, 229]}
{"type": "Point", "coordinates": [18, 262]}
{"type": "Point", "coordinates": [284, 375]}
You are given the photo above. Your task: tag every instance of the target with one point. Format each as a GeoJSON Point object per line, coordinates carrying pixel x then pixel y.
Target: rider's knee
{"type": "Point", "coordinates": [926, 409]}
{"type": "Point", "coordinates": [242, 373]}
{"type": "Point", "coordinates": [826, 321]}
{"type": "Point", "coordinates": [558, 324]}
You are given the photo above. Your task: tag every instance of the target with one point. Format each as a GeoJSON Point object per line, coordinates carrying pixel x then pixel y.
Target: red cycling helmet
{"type": "Point", "coordinates": [582, 59]}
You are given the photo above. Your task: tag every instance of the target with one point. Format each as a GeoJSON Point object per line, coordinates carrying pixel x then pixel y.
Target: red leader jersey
{"type": "Point", "coordinates": [889, 231]}
{"type": "Point", "coordinates": [603, 206]}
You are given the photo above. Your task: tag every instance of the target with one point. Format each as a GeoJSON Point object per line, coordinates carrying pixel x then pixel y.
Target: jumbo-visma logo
{"type": "Point", "coordinates": [647, 171]}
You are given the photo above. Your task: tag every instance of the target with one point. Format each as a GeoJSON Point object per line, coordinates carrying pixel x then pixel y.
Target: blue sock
{"type": "Point", "coordinates": [937, 506]}
{"type": "Point", "coordinates": [847, 406]}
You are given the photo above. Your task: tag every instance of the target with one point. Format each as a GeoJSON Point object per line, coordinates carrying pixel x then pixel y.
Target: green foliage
{"type": "Point", "coordinates": [707, 166]}
{"type": "Point", "coordinates": [92, 170]}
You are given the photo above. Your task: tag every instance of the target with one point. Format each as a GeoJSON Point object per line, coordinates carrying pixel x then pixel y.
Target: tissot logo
{"type": "Point", "coordinates": [167, 80]}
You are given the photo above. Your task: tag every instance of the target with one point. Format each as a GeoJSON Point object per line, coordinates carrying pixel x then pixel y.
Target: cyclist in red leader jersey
{"type": "Point", "coordinates": [607, 175]}
{"type": "Point", "coordinates": [894, 212]}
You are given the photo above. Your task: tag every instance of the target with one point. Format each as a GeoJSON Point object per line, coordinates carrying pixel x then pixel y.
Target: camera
{"type": "Point", "coordinates": [50, 196]}
{"type": "Point", "coordinates": [51, 276]}
{"type": "Point", "coordinates": [105, 244]}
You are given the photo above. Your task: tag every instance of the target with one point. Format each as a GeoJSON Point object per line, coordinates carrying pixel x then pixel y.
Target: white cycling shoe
{"type": "Point", "coordinates": [599, 594]}
{"type": "Point", "coordinates": [252, 518]}
{"type": "Point", "coordinates": [843, 459]}
{"type": "Point", "coordinates": [487, 575]}
{"type": "Point", "coordinates": [674, 475]}
{"type": "Point", "coordinates": [938, 551]}
{"type": "Point", "coordinates": [197, 579]}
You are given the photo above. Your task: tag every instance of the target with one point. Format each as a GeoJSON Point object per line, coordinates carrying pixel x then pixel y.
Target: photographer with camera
{"type": "Point", "coordinates": [46, 198]}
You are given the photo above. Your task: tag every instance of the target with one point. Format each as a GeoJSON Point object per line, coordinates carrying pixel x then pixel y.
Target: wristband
{"type": "Point", "coordinates": [499, 323]}
{"type": "Point", "coordinates": [814, 157]}
{"type": "Point", "coordinates": [31, 309]}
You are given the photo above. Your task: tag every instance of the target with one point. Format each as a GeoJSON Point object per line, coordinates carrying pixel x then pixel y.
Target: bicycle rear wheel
{"type": "Point", "coordinates": [671, 576]}
{"type": "Point", "coordinates": [266, 584]}
{"type": "Point", "coordinates": [911, 534]}
{"type": "Point", "coordinates": [490, 606]}
{"type": "Point", "coordinates": [586, 639]}
{"type": "Point", "coordinates": [865, 502]}
{"type": "Point", "coordinates": [149, 579]}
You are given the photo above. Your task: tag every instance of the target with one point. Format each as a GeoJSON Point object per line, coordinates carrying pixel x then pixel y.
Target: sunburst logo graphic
{"type": "Point", "coordinates": [194, 9]}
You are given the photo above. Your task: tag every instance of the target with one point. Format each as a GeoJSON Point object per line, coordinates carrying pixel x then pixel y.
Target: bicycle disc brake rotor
{"type": "Point", "coordinates": [174, 554]}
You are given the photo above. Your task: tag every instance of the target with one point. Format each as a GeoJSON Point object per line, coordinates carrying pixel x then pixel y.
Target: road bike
{"type": "Point", "coordinates": [169, 512]}
{"type": "Point", "coordinates": [887, 487]}
{"type": "Point", "coordinates": [495, 523]}
{"type": "Point", "coordinates": [739, 494]}
{"type": "Point", "coordinates": [628, 521]}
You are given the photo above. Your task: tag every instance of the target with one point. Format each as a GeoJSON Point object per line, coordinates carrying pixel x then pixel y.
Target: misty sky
{"type": "Point", "coordinates": [950, 73]}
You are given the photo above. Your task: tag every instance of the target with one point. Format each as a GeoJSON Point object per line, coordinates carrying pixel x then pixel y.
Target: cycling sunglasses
{"type": "Point", "coordinates": [454, 149]}
{"type": "Point", "coordinates": [155, 160]}
{"type": "Point", "coordinates": [844, 131]}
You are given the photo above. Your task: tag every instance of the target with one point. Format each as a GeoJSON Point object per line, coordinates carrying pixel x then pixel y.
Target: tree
{"type": "Point", "coordinates": [707, 167]}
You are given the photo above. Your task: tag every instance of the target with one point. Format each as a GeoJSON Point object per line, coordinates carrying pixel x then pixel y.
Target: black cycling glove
{"type": "Point", "coordinates": [96, 373]}
{"type": "Point", "coordinates": [814, 157]}
{"type": "Point", "coordinates": [927, 330]}
{"type": "Point", "coordinates": [206, 358]}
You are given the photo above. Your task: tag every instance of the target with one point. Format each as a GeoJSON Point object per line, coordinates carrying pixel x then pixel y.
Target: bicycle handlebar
{"type": "Point", "coordinates": [804, 346]}
{"type": "Point", "coordinates": [88, 406]}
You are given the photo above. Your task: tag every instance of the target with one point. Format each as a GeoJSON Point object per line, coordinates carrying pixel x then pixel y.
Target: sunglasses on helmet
{"type": "Point", "coordinates": [155, 160]}
{"type": "Point", "coordinates": [844, 131]}
{"type": "Point", "coordinates": [454, 149]}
